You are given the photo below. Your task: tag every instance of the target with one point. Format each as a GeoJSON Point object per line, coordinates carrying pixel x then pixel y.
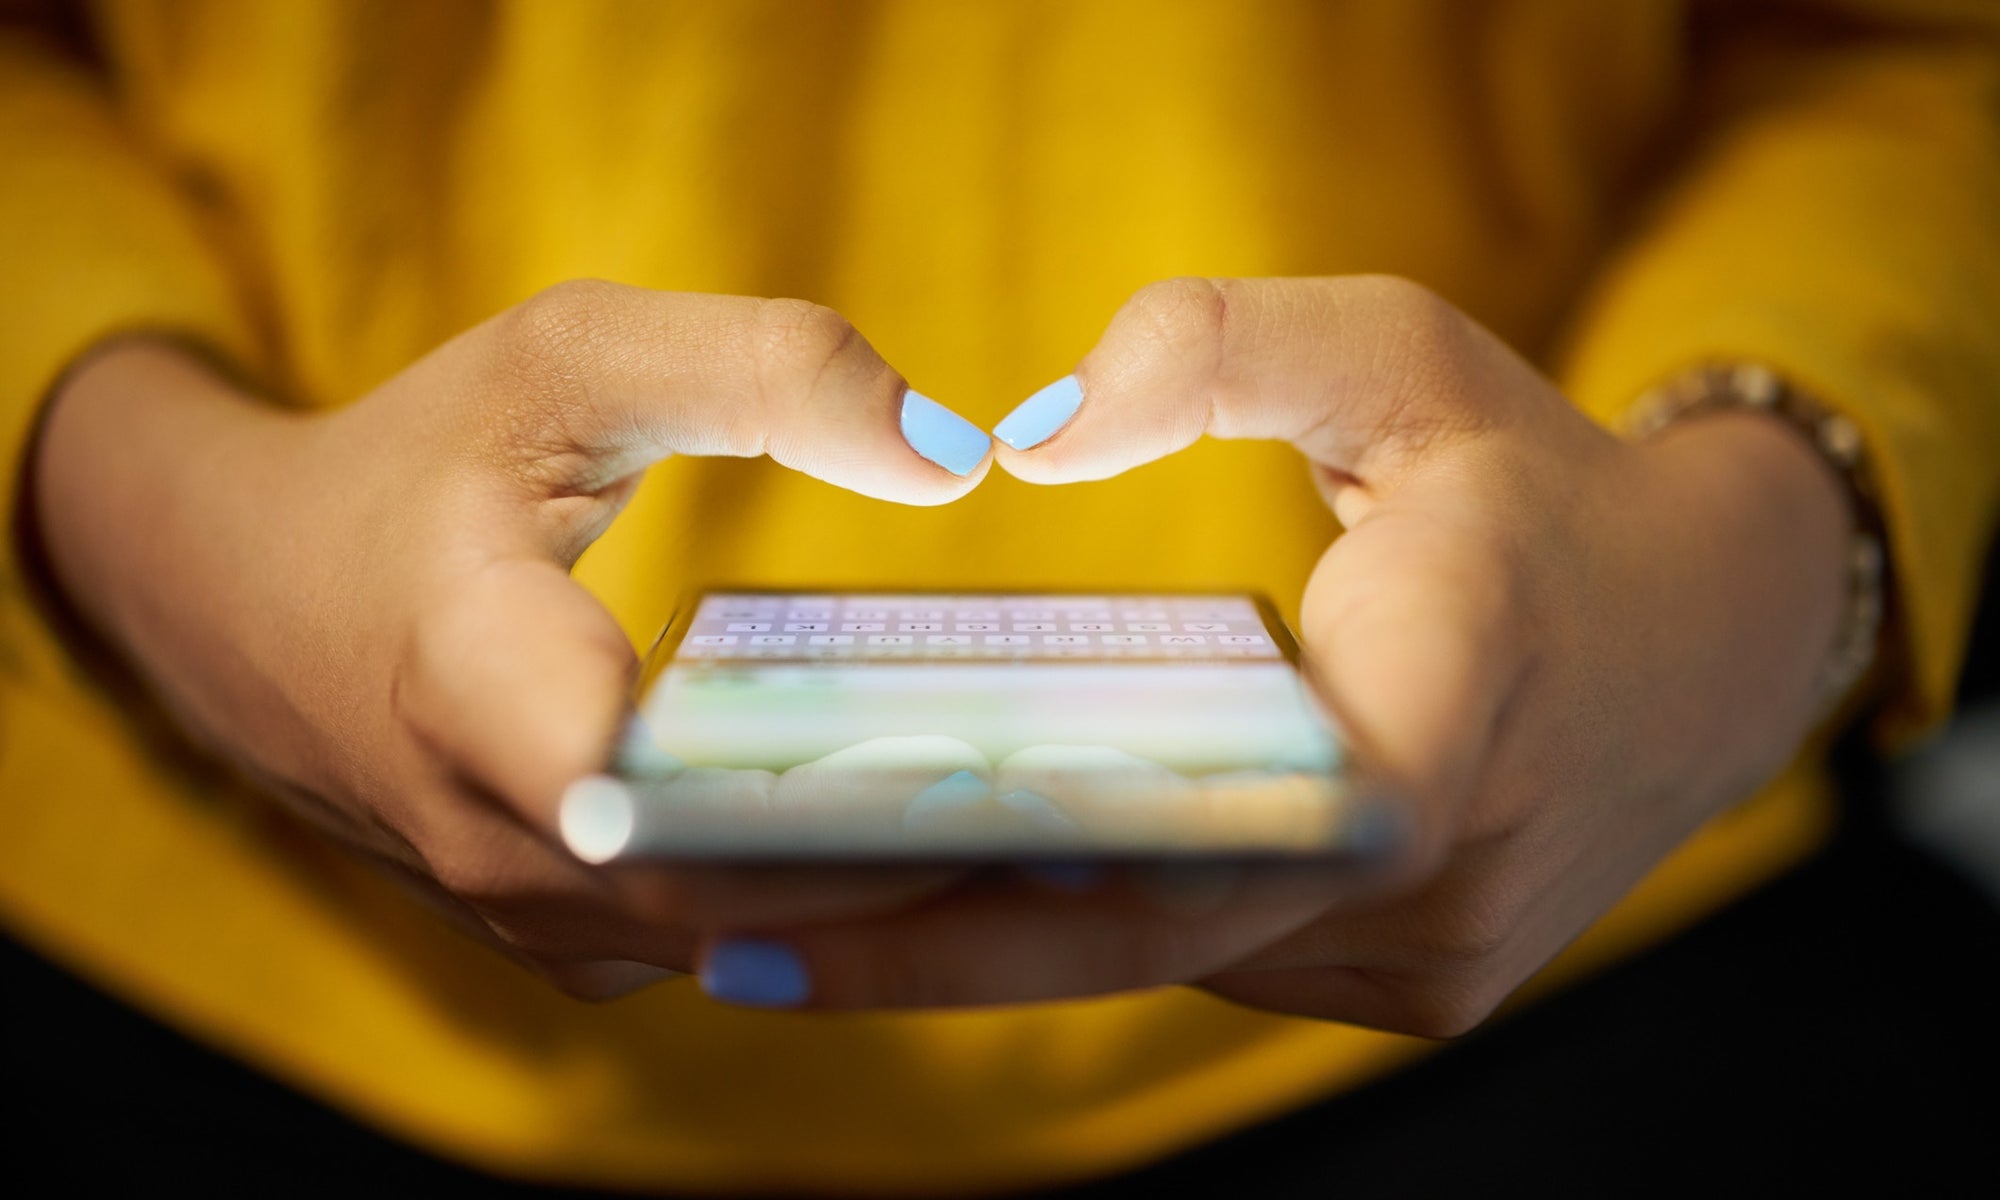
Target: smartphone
{"type": "Point", "coordinates": [1002, 726]}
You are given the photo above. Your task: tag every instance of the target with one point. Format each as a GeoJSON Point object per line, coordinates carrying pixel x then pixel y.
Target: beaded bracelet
{"type": "Point", "coordinates": [1753, 387]}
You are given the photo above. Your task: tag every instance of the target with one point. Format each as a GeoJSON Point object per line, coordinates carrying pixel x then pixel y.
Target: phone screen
{"type": "Point", "coordinates": [914, 725]}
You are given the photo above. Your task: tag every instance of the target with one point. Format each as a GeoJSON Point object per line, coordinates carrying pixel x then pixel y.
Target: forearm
{"type": "Point", "coordinates": [125, 445]}
{"type": "Point", "coordinates": [152, 485]}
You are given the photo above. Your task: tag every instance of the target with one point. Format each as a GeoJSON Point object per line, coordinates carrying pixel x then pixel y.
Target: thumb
{"type": "Point", "coordinates": [519, 677]}
{"type": "Point", "coordinates": [1414, 636]}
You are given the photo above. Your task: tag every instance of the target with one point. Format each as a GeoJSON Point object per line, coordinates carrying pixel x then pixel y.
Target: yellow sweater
{"type": "Point", "coordinates": [325, 189]}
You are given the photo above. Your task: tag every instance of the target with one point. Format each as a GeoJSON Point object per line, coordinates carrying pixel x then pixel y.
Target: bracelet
{"type": "Point", "coordinates": [1838, 440]}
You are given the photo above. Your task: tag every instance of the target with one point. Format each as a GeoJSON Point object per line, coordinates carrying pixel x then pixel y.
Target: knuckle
{"type": "Point", "coordinates": [478, 881]}
{"type": "Point", "coordinates": [549, 329]}
{"type": "Point", "coordinates": [422, 666]}
{"type": "Point", "coordinates": [1185, 312]}
{"type": "Point", "coordinates": [1472, 936]}
{"type": "Point", "coordinates": [1421, 327]}
{"type": "Point", "coordinates": [1419, 315]}
{"type": "Point", "coordinates": [444, 633]}
{"type": "Point", "coordinates": [539, 390]}
{"type": "Point", "coordinates": [1435, 1002]}
{"type": "Point", "coordinates": [1426, 357]}
{"type": "Point", "coordinates": [799, 341]}
{"type": "Point", "coordinates": [1446, 1011]}
{"type": "Point", "coordinates": [802, 349]}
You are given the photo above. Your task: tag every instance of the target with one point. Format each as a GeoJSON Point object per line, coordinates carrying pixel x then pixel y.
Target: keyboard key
{"type": "Point", "coordinates": [973, 626]}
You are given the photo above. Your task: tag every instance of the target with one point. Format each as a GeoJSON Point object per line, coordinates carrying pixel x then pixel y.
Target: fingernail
{"type": "Point", "coordinates": [597, 818]}
{"type": "Point", "coordinates": [1041, 414]}
{"type": "Point", "coordinates": [955, 792]}
{"type": "Point", "coordinates": [959, 787]}
{"type": "Point", "coordinates": [755, 973]}
{"type": "Point", "coordinates": [1065, 876]}
{"type": "Point", "coordinates": [1038, 810]}
{"type": "Point", "coordinates": [941, 435]}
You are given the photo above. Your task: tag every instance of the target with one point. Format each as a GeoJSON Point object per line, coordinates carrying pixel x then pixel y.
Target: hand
{"type": "Point", "coordinates": [370, 610]}
{"type": "Point", "coordinates": [1558, 652]}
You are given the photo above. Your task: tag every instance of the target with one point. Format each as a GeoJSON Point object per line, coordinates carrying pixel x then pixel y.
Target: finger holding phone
{"type": "Point", "coordinates": [1562, 651]}
{"type": "Point", "coordinates": [369, 610]}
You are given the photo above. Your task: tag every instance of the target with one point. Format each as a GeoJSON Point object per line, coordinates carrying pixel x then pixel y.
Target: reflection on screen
{"type": "Point", "coordinates": [913, 725]}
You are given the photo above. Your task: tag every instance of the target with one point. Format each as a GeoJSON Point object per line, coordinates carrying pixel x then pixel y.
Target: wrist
{"type": "Point", "coordinates": [1747, 555]}
{"type": "Point", "coordinates": [136, 453]}
{"type": "Point", "coordinates": [1836, 444]}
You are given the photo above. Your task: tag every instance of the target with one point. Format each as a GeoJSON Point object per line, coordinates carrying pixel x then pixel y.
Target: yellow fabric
{"type": "Point", "coordinates": [324, 189]}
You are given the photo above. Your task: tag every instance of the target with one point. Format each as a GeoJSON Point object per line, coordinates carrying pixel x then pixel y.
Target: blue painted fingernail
{"type": "Point", "coordinates": [955, 789]}
{"type": "Point", "coordinates": [1038, 810]}
{"type": "Point", "coordinates": [756, 973]}
{"type": "Point", "coordinates": [954, 793]}
{"type": "Point", "coordinates": [1041, 414]}
{"type": "Point", "coordinates": [941, 435]}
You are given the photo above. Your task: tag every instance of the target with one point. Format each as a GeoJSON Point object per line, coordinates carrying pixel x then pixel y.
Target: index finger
{"type": "Point", "coordinates": [1350, 369]}
{"type": "Point", "coordinates": [612, 378]}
